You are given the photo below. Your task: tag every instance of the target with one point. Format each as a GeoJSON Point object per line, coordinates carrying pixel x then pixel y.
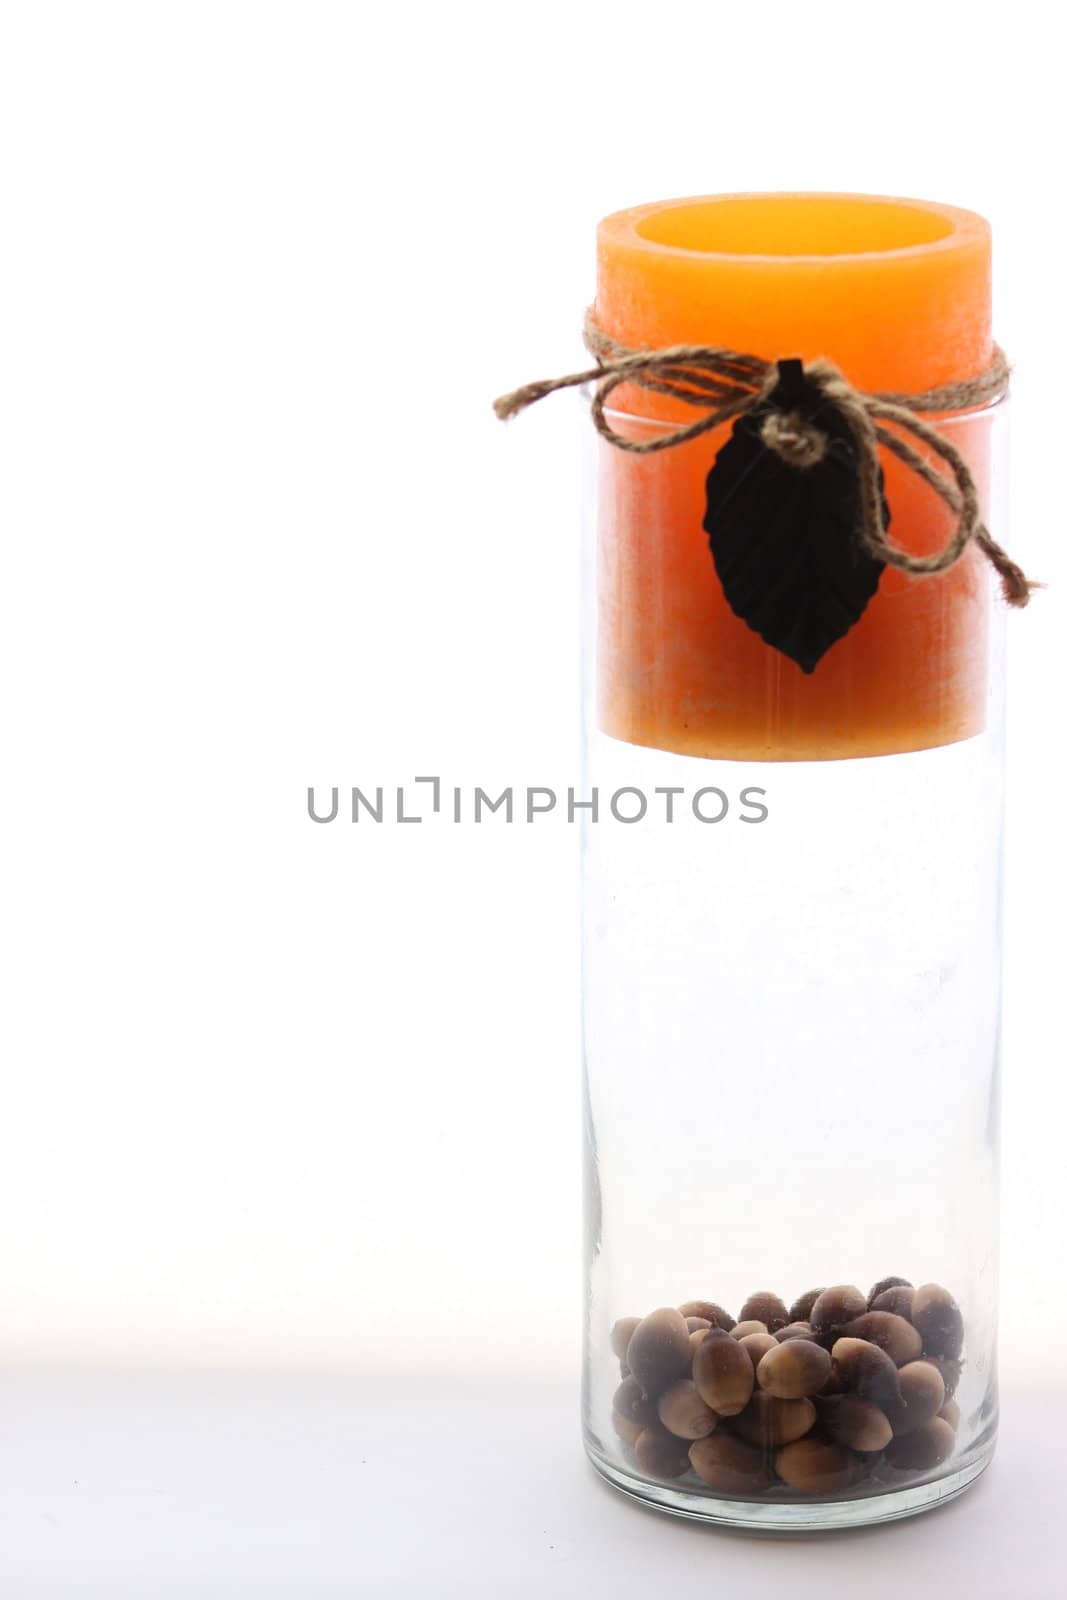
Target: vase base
{"type": "Point", "coordinates": [857, 1510]}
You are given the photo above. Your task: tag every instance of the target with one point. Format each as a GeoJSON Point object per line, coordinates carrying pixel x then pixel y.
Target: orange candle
{"type": "Point", "coordinates": [897, 293]}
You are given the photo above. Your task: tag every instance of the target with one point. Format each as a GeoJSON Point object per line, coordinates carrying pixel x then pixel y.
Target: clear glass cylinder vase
{"type": "Point", "coordinates": [791, 947]}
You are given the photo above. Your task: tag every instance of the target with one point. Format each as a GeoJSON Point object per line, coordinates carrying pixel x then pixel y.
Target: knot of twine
{"type": "Point", "coordinates": [724, 384]}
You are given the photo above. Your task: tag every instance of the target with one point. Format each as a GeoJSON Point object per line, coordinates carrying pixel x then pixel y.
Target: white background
{"type": "Point", "coordinates": [286, 1097]}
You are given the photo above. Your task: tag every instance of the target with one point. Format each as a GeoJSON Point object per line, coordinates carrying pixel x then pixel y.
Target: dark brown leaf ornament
{"type": "Point", "coordinates": [783, 518]}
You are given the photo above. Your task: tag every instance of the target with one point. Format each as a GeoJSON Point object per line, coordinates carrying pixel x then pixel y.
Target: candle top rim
{"type": "Point", "coordinates": [667, 228]}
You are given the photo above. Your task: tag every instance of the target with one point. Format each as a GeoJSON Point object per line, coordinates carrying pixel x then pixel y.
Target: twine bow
{"type": "Point", "coordinates": [723, 384]}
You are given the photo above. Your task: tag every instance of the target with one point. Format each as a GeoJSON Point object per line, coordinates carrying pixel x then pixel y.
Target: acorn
{"type": "Point", "coordinates": [950, 1371]}
{"type": "Point", "coordinates": [741, 1330]}
{"type": "Point", "coordinates": [768, 1422]}
{"type": "Point", "coordinates": [950, 1413]}
{"type": "Point", "coordinates": [626, 1429]}
{"type": "Point", "coordinates": [683, 1413]}
{"type": "Point", "coordinates": [865, 1465]}
{"type": "Point", "coordinates": [757, 1345]}
{"type": "Point", "coordinates": [693, 1323]}
{"type": "Point", "coordinates": [767, 1308]}
{"type": "Point", "coordinates": [729, 1465]}
{"type": "Point", "coordinates": [866, 1370]}
{"type": "Point", "coordinates": [696, 1339]}
{"type": "Point", "coordinates": [836, 1306]}
{"type": "Point", "coordinates": [814, 1466]}
{"type": "Point", "coordinates": [800, 1310]}
{"type": "Point", "coordinates": [939, 1321]}
{"type": "Point", "coordinates": [924, 1448]}
{"type": "Point", "coordinates": [797, 1330]}
{"type": "Point", "coordinates": [794, 1369]}
{"type": "Point", "coordinates": [620, 1335]}
{"type": "Point", "coordinates": [631, 1402]}
{"type": "Point", "coordinates": [922, 1395]}
{"type": "Point", "coordinates": [709, 1311]}
{"type": "Point", "coordinates": [882, 1285]}
{"type": "Point", "coordinates": [723, 1373]}
{"type": "Point", "coordinates": [660, 1454]}
{"type": "Point", "coordinates": [855, 1423]}
{"type": "Point", "coordinates": [899, 1340]}
{"type": "Point", "coordinates": [659, 1350]}
{"type": "Point", "coordinates": [898, 1300]}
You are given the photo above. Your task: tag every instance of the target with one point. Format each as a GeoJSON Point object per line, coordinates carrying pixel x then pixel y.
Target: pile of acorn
{"type": "Point", "coordinates": [815, 1398]}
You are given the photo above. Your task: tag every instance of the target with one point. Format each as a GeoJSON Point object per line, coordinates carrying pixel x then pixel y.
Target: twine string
{"type": "Point", "coordinates": [724, 384]}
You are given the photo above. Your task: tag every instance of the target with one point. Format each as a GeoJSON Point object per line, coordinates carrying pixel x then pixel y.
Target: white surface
{"type": "Point", "coordinates": [185, 1487]}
